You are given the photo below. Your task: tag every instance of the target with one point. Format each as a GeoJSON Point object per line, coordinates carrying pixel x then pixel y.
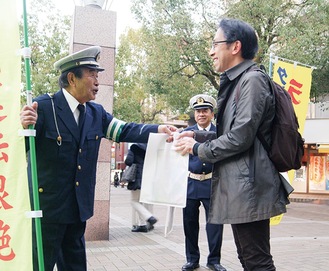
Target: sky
{"type": "Point", "coordinates": [121, 7]}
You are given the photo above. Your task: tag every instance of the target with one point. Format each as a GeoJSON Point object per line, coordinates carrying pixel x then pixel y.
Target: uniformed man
{"type": "Point", "coordinates": [69, 129]}
{"type": "Point", "coordinates": [198, 191]}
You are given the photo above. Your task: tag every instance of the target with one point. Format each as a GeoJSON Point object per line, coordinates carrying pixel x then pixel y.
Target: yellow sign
{"type": "Point", "coordinates": [15, 227]}
{"type": "Point", "coordinates": [297, 81]}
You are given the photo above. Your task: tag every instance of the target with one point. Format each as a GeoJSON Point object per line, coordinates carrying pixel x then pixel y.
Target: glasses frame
{"type": "Point", "coordinates": [214, 43]}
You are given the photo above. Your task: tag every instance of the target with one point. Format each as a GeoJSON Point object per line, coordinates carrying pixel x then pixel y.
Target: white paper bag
{"type": "Point", "coordinates": [165, 173]}
{"type": "Point", "coordinates": [169, 226]}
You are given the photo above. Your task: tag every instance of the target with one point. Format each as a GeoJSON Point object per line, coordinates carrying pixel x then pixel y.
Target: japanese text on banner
{"type": "Point", "coordinates": [15, 228]}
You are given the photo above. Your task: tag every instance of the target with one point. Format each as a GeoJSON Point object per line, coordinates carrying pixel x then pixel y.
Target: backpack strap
{"type": "Point", "coordinates": [258, 134]}
{"type": "Point", "coordinates": [263, 141]}
{"type": "Point", "coordinates": [262, 69]}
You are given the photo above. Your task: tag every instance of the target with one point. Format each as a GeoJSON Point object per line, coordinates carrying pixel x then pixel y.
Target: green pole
{"type": "Point", "coordinates": [35, 191]}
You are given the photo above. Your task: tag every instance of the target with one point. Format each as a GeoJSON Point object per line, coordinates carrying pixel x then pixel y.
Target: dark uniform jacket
{"type": "Point", "coordinates": [195, 188]}
{"type": "Point", "coordinates": [67, 169]}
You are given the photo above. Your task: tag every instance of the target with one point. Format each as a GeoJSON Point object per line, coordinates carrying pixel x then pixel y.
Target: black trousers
{"type": "Point", "coordinates": [253, 245]}
{"type": "Point", "coordinates": [191, 231]}
{"type": "Point", "coordinates": [64, 245]}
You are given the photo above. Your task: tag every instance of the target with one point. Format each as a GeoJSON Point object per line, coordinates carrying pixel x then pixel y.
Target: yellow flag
{"type": "Point", "coordinates": [15, 227]}
{"type": "Point", "coordinates": [296, 80]}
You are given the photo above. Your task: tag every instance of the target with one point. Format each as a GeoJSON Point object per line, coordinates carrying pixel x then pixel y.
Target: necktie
{"type": "Point", "coordinates": [81, 109]}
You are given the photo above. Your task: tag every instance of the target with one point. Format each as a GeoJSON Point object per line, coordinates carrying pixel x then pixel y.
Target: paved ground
{"type": "Point", "coordinates": [300, 242]}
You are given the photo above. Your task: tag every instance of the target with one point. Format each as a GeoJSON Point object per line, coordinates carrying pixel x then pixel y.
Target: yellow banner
{"type": "Point", "coordinates": [297, 81]}
{"type": "Point", "coordinates": [15, 227]}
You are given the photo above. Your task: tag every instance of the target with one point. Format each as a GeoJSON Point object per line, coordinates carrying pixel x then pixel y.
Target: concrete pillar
{"type": "Point", "coordinates": [94, 26]}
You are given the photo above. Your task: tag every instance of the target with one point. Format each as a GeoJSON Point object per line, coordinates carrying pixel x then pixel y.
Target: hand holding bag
{"type": "Point", "coordinates": [129, 174]}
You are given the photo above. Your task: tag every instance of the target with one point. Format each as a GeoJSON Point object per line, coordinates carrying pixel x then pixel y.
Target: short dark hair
{"type": "Point", "coordinates": [235, 29]}
{"type": "Point", "coordinates": [62, 80]}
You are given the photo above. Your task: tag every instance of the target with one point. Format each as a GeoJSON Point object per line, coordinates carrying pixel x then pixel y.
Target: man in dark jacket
{"type": "Point", "coordinates": [198, 191]}
{"type": "Point", "coordinates": [246, 187]}
{"type": "Point", "coordinates": [69, 129]}
{"type": "Point", "coordinates": [116, 179]}
{"type": "Point", "coordinates": [142, 217]}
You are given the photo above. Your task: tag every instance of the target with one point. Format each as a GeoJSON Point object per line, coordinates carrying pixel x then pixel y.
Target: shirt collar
{"type": "Point", "coordinates": [235, 71]}
{"type": "Point", "coordinates": [207, 128]}
{"type": "Point", "coordinates": [73, 103]}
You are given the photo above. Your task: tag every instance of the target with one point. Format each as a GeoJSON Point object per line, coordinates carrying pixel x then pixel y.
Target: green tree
{"type": "Point", "coordinates": [178, 35]}
{"type": "Point", "coordinates": [173, 63]}
{"type": "Point", "coordinates": [147, 85]}
{"type": "Point", "coordinates": [132, 103]}
{"type": "Point", "coordinates": [49, 41]}
{"type": "Point", "coordinates": [295, 30]}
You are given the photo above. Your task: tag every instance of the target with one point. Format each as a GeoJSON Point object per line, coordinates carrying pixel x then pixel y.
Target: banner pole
{"type": "Point", "coordinates": [270, 66]}
{"type": "Point", "coordinates": [35, 191]}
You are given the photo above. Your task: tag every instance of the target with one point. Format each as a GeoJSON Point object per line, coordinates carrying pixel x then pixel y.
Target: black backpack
{"type": "Point", "coordinates": [287, 148]}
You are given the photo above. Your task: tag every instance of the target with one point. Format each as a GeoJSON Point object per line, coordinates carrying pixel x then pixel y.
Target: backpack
{"type": "Point", "coordinates": [287, 148]}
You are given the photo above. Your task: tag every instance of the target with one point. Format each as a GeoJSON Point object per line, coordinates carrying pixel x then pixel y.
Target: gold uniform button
{"type": "Point", "coordinates": [76, 183]}
{"type": "Point", "coordinates": [79, 167]}
{"type": "Point", "coordinates": [40, 190]}
{"type": "Point", "coordinates": [80, 150]}
{"type": "Point", "coordinates": [203, 164]}
{"type": "Point", "coordinates": [97, 137]}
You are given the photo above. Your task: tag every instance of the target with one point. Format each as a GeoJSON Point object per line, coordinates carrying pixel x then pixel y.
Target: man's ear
{"type": "Point", "coordinates": [71, 78]}
{"type": "Point", "coordinates": [236, 48]}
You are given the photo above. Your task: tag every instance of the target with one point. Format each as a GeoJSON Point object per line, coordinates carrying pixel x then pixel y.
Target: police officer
{"type": "Point", "coordinates": [69, 129]}
{"type": "Point", "coordinates": [198, 191]}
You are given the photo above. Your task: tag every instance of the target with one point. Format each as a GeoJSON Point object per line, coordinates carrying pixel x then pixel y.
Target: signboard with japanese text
{"type": "Point", "coordinates": [15, 227]}
{"type": "Point", "coordinates": [296, 80]}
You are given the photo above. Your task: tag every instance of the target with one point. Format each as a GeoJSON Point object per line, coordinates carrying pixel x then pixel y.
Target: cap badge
{"type": "Point", "coordinates": [200, 100]}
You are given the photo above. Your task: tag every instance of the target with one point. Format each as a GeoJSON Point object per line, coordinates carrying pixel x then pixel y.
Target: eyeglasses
{"type": "Point", "coordinates": [214, 43]}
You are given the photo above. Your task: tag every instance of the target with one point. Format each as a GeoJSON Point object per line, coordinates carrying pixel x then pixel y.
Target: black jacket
{"type": "Point", "coordinates": [136, 154]}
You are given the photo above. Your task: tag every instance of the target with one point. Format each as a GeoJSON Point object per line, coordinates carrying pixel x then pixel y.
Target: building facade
{"type": "Point", "coordinates": [313, 176]}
